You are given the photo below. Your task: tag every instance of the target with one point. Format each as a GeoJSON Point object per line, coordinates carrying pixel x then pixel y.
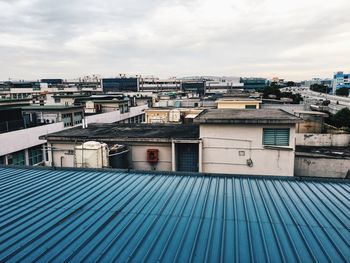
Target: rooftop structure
{"type": "Point", "coordinates": [238, 116]}
{"type": "Point", "coordinates": [51, 215]}
{"type": "Point", "coordinates": [131, 132]}
{"type": "Point", "coordinates": [238, 103]}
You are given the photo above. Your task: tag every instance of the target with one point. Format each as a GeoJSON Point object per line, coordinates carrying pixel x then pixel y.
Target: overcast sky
{"type": "Point", "coordinates": [291, 39]}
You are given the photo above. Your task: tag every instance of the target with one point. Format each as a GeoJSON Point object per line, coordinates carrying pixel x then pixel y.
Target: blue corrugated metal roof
{"type": "Point", "coordinates": [79, 215]}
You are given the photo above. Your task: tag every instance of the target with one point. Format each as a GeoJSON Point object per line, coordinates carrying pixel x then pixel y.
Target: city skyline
{"type": "Point", "coordinates": [296, 41]}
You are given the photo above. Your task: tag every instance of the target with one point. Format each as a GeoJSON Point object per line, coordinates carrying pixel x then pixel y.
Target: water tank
{"type": "Point", "coordinates": [91, 154]}
{"type": "Point", "coordinates": [118, 156]}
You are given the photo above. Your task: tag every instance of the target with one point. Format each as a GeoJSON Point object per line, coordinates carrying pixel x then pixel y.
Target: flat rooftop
{"type": "Point", "coordinates": [127, 132]}
{"type": "Point", "coordinates": [50, 107]}
{"type": "Point", "coordinates": [245, 116]}
{"type": "Point", "coordinates": [235, 99]}
{"type": "Point", "coordinates": [67, 215]}
{"type": "Point", "coordinates": [330, 152]}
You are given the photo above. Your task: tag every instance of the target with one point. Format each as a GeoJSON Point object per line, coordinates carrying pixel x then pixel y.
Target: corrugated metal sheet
{"type": "Point", "coordinates": [78, 215]}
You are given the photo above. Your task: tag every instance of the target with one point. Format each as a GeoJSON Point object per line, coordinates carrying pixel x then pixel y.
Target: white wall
{"type": "Point", "coordinates": [326, 139]}
{"type": "Point", "coordinates": [115, 116]}
{"type": "Point", "coordinates": [61, 155]}
{"type": "Point", "coordinates": [22, 139]}
{"type": "Point", "coordinates": [223, 145]}
{"type": "Point", "coordinates": [139, 157]}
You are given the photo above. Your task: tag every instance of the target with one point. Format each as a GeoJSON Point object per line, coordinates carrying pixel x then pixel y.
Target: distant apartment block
{"type": "Point", "coordinates": [341, 80]}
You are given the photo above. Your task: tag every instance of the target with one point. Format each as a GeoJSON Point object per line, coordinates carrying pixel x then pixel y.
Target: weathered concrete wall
{"type": "Point", "coordinates": [321, 167]}
{"type": "Point", "coordinates": [226, 149]}
{"type": "Point", "coordinates": [290, 108]}
{"type": "Point", "coordinates": [312, 139]}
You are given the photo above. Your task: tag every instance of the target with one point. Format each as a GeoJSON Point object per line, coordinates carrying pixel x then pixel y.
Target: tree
{"type": "Point", "coordinates": [342, 92]}
{"type": "Point", "coordinates": [319, 88]}
{"type": "Point", "coordinates": [296, 97]}
{"type": "Point", "coordinates": [290, 84]}
{"type": "Point", "coordinates": [272, 90]}
{"type": "Point", "coordinates": [341, 118]}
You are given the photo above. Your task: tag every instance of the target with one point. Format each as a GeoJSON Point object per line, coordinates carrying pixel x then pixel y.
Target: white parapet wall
{"type": "Point", "coordinates": [23, 139]}
{"type": "Point", "coordinates": [115, 116]}
{"type": "Point", "coordinates": [326, 139]}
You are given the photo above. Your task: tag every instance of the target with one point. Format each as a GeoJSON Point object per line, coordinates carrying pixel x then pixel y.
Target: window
{"type": "Point", "coordinates": [35, 155]}
{"type": "Point", "coordinates": [57, 100]}
{"type": "Point", "coordinates": [78, 116]}
{"type": "Point", "coordinates": [250, 106]}
{"type": "Point", "coordinates": [16, 158]}
{"type": "Point", "coordinates": [67, 119]}
{"type": "Point", "coordinates": [278, 137]}
{"type": "Point", "coordinates": [2, 159]}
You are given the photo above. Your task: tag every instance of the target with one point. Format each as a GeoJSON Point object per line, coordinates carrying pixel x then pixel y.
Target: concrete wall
{"type": "Point", "coordinates": [226, 149]}
{"type": "Point", "coordinates": [139, 157]}
{"type": "Point", "coordinates": [227, 104]}
{"type": "Point", "coordinates": [328, 139]}
{"type": "Point", "coordinates": [290, 108]}
{"type": "Point", "coordinates": [321, 167]}
{"type": "Point", "coordinates": [63, 156]}
{"type": "Point", "coordinates": [26, 138]}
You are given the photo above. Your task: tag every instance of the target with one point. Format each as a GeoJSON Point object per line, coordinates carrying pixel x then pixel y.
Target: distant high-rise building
{"type": "Point", "coordinates": [254, 83]}
{"type": "Point", "coordinates": [194, 86]}
{"type": "Point", "coordinates": [120, 84]}
{"type": "Point", "coordinates": [341, 80]}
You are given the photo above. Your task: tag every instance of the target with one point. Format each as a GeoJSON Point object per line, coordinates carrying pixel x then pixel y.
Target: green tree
{"type": "Point", "coordinates": [319, 88]}
{"type": "Point", "coordinates": [272, 90]}
{"type": "Point", "coordinates": [342, 92]}
{"type": "Point", "coordinates": [290, 84]}
{"type": "Point", "coordinates": [296, 97]}
{"type": "Point", "coordinates": [341, 119]}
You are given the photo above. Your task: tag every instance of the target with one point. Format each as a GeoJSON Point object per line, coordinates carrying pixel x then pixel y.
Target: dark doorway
{"type": "Point", "coordinates": [187, 157]}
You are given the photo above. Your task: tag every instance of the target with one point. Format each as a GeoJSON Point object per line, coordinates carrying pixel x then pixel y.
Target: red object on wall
{"type": "Point", "coordinates": [152, 155]}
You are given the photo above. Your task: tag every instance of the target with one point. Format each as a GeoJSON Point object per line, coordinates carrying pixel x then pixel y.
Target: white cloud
{"type": "Point", "coordinates": [295, 39]}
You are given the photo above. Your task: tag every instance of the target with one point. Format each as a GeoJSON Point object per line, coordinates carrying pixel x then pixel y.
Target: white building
{"type": "Point", "coordinates": [23, 147]}
{"type": "Point", "coordinates": [260, 142]}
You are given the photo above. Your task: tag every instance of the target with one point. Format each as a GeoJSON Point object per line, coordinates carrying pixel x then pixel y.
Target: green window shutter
{"type": "Point", "coordinates": [269, 137]}
{"type": "Point", "coordinates": [279, 137]}
{"type": "Point", "coordinates": [250, 106]}
{"type": "Point", "coordinates": [282, 137]}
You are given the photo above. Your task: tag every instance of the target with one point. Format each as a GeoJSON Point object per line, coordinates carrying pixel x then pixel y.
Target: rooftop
{"type": "Point", "coordinates": [251, 116]}
{"type": "Point", "coordinates": [316, 113]}
{"type": "Point", "coordinates": [52, 215]}
{"type": "Point", "coordinates": [331, 152]}
{"type": "Point", "coordinates": [131, 132]}
{"type": "Point", "coordinates": [50, 107]}
{"type": "Point", "coordinates": [237, 99]}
